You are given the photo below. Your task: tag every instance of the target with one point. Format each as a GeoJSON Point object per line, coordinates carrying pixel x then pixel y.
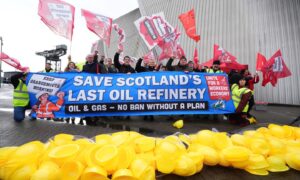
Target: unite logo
{"type": "Point", "coordinates": [277, 65]}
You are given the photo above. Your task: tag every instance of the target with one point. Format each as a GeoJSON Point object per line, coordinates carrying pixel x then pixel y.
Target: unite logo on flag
{"type": "Point", "coordinates": [277, 66]}
{"type": "Point", "coordinates": [58, 16]}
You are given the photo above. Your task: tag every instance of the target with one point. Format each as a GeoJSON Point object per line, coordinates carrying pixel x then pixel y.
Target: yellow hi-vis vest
{"type": "Point", "coordinates": [21, 97]}
{"type": "Point", "coordinates": [212, 71]}
{"type": "Point", "coordinates": [237, 94]}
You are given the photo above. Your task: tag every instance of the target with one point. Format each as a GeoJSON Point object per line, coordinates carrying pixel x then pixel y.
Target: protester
{"type": "Point", "coordinates": [91, 66]}
{"type": "Point", "coordinates": [250, 81]}
{"type": "Point", "coordinates": [148, 67]}
{"type": "Point", "coordinates": [125, 67]}
{"type": "Point", "coordinates": [47, 68]}
{"type": "Point", "coordinates": [192, 67]}
{"type": "Point", "coordinates": [151, 66]}
{"type": "Point", "coordinates": [20, 96]}
{"type": "Point", "coordinates": [215, 67]}
{"type": "Point", "coordinates": [240, 96]}
{"type": "Point", "coordinates": [110, 66]}
{"type": "Point", "coordinates": [71, 67]}
{"type": "Point", "coordinates": [181, 66]}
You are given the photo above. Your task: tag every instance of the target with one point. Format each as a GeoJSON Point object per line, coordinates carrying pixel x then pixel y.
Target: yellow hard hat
{"type": "Point", "coordinates": [71, 170]}
{"type": "Point", "coordinates": [123, 174]}
{"type": "Point", "coordinates": [178, 124]}
{"type": "Point", "coordinates": [277, 130]}
{"type": "Point", "coordinates": [257, 161]}
{"type": "Point", "coordinates": [107, 157]}
{"type": "Point", "coordinates": [144, 144]}
{"type": "Point", "coordinates": [47, 170]}
{"type": "Point", "coordinates": [293, 160]}
{"type": "Point", "coordinates": [62, 139]}
{"type": "Point", "coordinates": [24, 172]}
{"type": "Point", "coordinates": [63, 153]}
{"type": "Point", "coordinates": [261, 172]}
{"type": "Point", "coordinates": [236, 153]}
{"type": "Point", "coordinates": [185, 166]}
{"type": "Point", "coordinates": [276, 164]}
{"type": "Point", "coordinates": [95, 172]}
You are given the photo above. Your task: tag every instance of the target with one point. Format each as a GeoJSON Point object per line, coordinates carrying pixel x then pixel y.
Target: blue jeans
{"type": "Point", "coordinates": [19, 113]}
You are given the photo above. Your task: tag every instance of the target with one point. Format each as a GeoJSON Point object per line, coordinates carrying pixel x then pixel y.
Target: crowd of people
{"type": "Point", "coordinates": [241, 82]}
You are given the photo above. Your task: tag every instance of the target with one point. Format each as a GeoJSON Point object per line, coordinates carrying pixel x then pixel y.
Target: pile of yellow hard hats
{"type": "Point", "coordinates": [130, 155]}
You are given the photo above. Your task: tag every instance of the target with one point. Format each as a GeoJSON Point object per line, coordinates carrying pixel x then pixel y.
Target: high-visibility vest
{"type": "Point", "coordinates": [237, 94]}
{"type": "Point", "coordinates": [212, 71]}
{"type": "Point", "coordinates": [21, 96]}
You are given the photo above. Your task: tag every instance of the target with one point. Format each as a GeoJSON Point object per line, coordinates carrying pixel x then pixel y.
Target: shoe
{"type": "Point", "coordinates": [145, 118]}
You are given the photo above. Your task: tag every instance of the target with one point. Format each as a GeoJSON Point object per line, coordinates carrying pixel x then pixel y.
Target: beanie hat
{"type": "Point", "coordinates": [216, 62]}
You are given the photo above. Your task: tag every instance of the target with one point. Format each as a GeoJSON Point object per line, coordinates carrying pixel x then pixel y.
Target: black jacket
{"type": "Point", "coordinates": [176, 68]}
{"type": "Point", "coordinates": [15, 79]}
{"type": "Point", "coordinates": [122, 67]}
{"type": "Point", "coordinates": [140, 68]}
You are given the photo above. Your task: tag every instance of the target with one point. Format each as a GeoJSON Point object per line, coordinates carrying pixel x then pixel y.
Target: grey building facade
{"type": "Point", "coordinates": [242, 27]}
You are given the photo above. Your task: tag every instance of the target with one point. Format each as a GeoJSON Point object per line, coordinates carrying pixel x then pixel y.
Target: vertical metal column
{"type": "Point", "coordinates": [1, 44]}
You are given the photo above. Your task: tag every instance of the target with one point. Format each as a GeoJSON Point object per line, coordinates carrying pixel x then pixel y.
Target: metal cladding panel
{"type": "Point", "coordinates": [134, 45]}
{"type": "Point", "coordinates": [244, 28]}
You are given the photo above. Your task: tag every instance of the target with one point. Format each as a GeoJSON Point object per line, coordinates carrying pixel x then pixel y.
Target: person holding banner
{"type": "Point", "coordinates": [20, 96]}
{"type": "Point", "coordinates": [71, 67]}
{"type": "Point", "coordinates": [215, 67]}
{"type": "Point", "coordinates": [110, 66]}
{"type": "Point", "coordinates": [91, 66]}
{"type": "Point", "coordinates": [48, 68]}
{"type": "Point", "coordinates": [149, 67]}
{"type": "Point", "coordinates": [182, 65]}
{"type": "Point", "coordinates": [125, 67]}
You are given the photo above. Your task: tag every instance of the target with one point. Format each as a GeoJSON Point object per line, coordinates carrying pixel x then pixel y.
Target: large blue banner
{"type": "Point", "coordinates": [152, 93]}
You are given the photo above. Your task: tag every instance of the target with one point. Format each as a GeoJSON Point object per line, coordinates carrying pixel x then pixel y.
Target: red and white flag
{"type": "Point", "coordinates": [58, 16]}
{"type": "Point", "coordinates": [260, 61]}
{"type": "Point", "coordinates": [154, 29]}
{"type": "Point", "coordinates": [169, 46]}
{"type": "Point", "coordinates": [274, 69]}
{"type": "Point", "coordinates": [222, 55]}
{"type": "Point", "coordinates": [121, 35]}
{"type": "Point", "coordinates": [188, 21]}
{"type": "Point", "coordinates": [13, 62]}
{"type": "Point", "coordinates": [98, 24]}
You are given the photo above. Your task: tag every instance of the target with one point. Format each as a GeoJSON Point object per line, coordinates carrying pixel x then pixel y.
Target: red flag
{"type": "Point", "coordinates": [169, 46]}
{"type": "Point", "coordinates": [98, 24]}
{"type": "Point", "coordinates": [188, 21]}
{"type": "Point", "coordinates": [260, 61]}
{"type": "Point", "coordinates": [121, 35]}
{"type": "Point", "coordinates": [274, 69]}
{"type": "Point", "coordinates": [222, 55]}
{"type": "Point", "coordinates": [13, 62]}
{"type": "Point", "coordinates": [58, 16]}
{"type": "Point", "coordinates": [180, 51]}
{"type": "Point", "coordinates": [196, 60]}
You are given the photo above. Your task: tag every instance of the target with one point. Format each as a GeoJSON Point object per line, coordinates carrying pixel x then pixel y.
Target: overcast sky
{"type": "Point", "coordinates": [24, 33]}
